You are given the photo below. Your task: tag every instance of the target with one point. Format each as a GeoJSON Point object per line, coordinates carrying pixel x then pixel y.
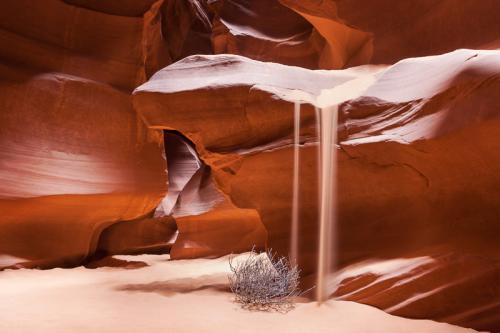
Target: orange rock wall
{"type": "Point", "coordinates": [417, 165]}
{"type": "Point", "coordinates": [82, 171]}
{"type": "Point", "coordinates": [75, 156]}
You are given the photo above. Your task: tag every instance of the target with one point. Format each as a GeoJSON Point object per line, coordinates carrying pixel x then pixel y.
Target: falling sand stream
{"type": "Point", "coordinates": [327, 119]}
{"type": "Point", "coordinates": [294, 235]}
{"type": "Point", "coordinates": [327, 106]}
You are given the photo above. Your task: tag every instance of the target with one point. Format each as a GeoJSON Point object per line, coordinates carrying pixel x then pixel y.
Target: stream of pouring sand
{"type": "Point", "coordinates": [327, 108]}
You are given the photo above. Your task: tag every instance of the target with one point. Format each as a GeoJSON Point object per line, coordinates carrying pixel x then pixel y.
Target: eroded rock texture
{"type": "Point", "coordinates": [424, 136]}
{"type": "Point", "coordinates": [83, 174]}
{"type": "Point", "coordinates": [406, 29]}
{"type": "Point", "coordinates": [308, 35]}
{"type": "Point", "coordinates": [75, 158]}
{"type": "Point", "coordinates": [417, 167]}
{"type": "Point", "coordinates": [343, 33]}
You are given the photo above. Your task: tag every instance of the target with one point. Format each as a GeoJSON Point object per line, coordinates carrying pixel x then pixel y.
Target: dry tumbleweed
{"type": "Point", "coordinates": [264, 282]}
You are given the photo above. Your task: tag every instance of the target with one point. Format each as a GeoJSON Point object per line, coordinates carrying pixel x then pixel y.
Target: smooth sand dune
{"type": "Point", "coordinates": [169, 296]}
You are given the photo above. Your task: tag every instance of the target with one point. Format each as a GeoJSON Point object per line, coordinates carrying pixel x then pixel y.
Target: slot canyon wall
{"type": "Point", "coordinates": [87, 89]}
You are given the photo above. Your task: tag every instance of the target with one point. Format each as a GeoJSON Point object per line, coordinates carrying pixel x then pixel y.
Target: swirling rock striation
{"type": "Point", "coordinates": [417, 166]}
{"type": "Point", "coordinates": [75, 158]}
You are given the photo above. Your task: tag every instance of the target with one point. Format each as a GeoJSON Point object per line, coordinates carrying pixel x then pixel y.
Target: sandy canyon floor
{"type": "Point", "coordinates": [169, 296]}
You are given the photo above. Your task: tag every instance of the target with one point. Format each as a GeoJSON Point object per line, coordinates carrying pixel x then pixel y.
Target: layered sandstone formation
{"type": "Point", "coordinates": [344, 33]}
{"type": "Point", "coordinates": [444, 283]}
{"type": "Point", "coordinates": [310, 36]}
{"type": "Point", "coordinates": [82, 170]}
{"type": "Point", "coordinates": [416, 165]}
{"type": "Point", "coordinates": [75, 158]}
{"type": "Point", "coordinates": [403, 29]}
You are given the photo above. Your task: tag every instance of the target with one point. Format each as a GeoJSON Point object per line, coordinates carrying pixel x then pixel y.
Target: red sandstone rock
{"type": "Point", "coordinates": [311, 37]}
{"type": "Point", "coordinates": [52, 36]}
{"type": "Point", "coordinates": [444, 284]}
{"type": "Point", "coordinates": [73, 150]}
{"type": "Point", "coordinates": [70, 166]}
{"type": "Point", "coordinates": [340, 34]}
{"type": "Point", "coordinates": [75, 157]}
{"type": "Point", "coordinates": [144, 235]}
{"type": "Point", "coordinates": [219, 232]}
{"type": "Point", "coordinates": [236, 30]}
{"type": "Point", "coordinates": [121, 8]}
{"type": "Point", "coordinates": [342, 45]}
{"type": "Point", "coordinates": [254, 101]}
{"type": "Point", "coordinates": [403, 29]}
{"type": "Point", "coordinates": [186, 28]}
{"type": "Point", "coordinates": [417, 162]}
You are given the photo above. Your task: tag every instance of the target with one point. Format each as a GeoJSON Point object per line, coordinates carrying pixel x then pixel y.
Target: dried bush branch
{"type": "Point", "coordinates": [264, 282]}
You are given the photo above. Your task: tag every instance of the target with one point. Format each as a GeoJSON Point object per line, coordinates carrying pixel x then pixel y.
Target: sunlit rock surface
{"type": "Point", "coordinates": [417, 164]}
{"type": "Point", "coordinates": [69, 166]}
{"type": "Point", "coordinates": [74, 157]}
{"type": "Point", "coordinates": [244, 106]}
{"type": "Point", "coordinates": [444, 284]}
{"type": "Point", "coordinates": [83, 175]}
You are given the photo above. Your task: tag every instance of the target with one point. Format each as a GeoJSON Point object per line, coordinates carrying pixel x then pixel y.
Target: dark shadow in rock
{"type": "Point", "coordinates": [117, 263]}
{"type": "Point", "coordinates": [215, 282]}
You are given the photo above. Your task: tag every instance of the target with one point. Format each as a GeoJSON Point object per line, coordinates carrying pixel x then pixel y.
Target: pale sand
{"type": "Point", "coordinates": [169, 296]}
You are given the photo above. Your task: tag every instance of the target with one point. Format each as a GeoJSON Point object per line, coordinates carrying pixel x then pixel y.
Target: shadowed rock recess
{"type": "Point", "coordinates": [149, 126]}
